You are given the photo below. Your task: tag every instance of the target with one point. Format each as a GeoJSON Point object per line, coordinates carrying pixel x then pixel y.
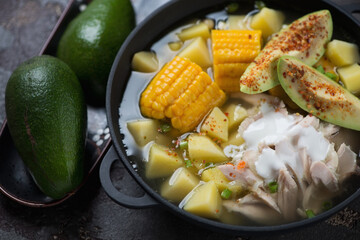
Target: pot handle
{"type": "Point", "coordinates": [144, 201]}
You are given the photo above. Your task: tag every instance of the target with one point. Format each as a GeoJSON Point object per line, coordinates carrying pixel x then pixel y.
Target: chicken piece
{"type": "Point", "coordinates": [332, 159]}
{"type": "Point", "coordinates": [347, 162]}
{"type": "Point", "coordinates": [287, 195]}
{"type": "Point", "coordinates": [266, 198]}
{"type": "Point", "coordinates": [254, 209]}
{"type": "Point", "coordinates": [250, 157]}
{"type": "Point", "coordinates": [310, 121]}
{"type": "Point", "coordinates": [244, 125]}
{"type": "Point", "coordinates": [306, 163]}
{"type": "Point", "coordinates": [320, 173]}
{"type": "Point", "coordinates": [329, 130]}
{"type": "Point", "coordinates": [315, 197]}
{"type": "Point", "coordinates": [249, 180]}
{"type": "Point", "coordinates": [245, 175]}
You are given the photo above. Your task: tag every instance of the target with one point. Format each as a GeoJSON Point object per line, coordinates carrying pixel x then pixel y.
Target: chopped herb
{"type": "Point", "coordinates": [209, 164]}
{"type": "Point", "coordinates": [310, 213]}
{"type": "Point", "coordinates": [226, 193]}
{"type": "Point", "coordinates": [320, 69]}
{"type": "Point", "coordinates": [232, 7]}
{"type": "Point", "coordinates": [331, 76]}
{"type": "Point", "coordinates": [327, 205]}
{"type": "Point", "coordinates": [183, 144]}
{"type": "Point", "coordinates": [273, 187]}
{"type": "Point", "coordinates": [188, 163]}
{"type": "Point", "coordinates": [259, 5]}
{"type": "Point", "coordinates": [165, 128]}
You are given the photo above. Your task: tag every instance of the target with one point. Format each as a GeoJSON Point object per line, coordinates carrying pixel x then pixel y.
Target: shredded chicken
{"type": "Point", "coordinates": [307, 174]}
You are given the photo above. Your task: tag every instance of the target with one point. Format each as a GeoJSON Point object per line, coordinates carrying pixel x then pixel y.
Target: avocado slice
{"type": "Point", "coordinates": [317, 94]}
{"type": "Point", "coordinates": [305, 39]}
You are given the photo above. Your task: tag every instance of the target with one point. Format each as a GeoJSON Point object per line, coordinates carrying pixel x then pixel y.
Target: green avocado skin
{"type": "Point", "coordinates": [47, 119]}
{"type": "Point", "coordinates": [91, 41]}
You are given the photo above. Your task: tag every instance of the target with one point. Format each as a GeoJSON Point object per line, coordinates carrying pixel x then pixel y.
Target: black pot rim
{"type": "Point", "coordinates": [114, 97]}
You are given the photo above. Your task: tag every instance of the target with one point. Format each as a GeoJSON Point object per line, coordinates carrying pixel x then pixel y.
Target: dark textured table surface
{"type": "Point", "coordinates": [24, 27]}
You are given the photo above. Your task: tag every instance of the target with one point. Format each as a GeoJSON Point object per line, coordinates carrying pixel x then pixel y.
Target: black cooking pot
{"type": "Point", "coordinates": [140, 39]}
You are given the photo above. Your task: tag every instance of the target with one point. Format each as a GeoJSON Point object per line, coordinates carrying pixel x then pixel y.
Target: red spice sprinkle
{"type": "Point", "coordinates": [226, 114]}
{"type": "Point", "coordinates": [225, 119]}
{"type": "Point", "coordinates": [241, 165]}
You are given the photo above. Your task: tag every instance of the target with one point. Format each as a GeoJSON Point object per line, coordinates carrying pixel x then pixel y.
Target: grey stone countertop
{"type": "Point", "coordinates": [91, 214]}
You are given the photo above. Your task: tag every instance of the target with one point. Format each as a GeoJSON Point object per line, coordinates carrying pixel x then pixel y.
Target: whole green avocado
{"type": "Point", "coordinates": [91, 41]}
{"type": "Point", "coordinates": [47, 119]}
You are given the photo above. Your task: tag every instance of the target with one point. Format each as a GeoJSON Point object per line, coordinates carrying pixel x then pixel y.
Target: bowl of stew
{"type": "Point", "coordinates": [199, 119]}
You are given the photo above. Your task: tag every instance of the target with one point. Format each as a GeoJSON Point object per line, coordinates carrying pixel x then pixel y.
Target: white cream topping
{"type": "Point", "coordinates": [278, 137]}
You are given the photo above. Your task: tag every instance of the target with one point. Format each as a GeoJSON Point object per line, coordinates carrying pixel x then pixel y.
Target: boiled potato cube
{"type": "Point", "coordinates": [197, 52]}
{"type": "Point", "coordinates": [233, 140]}
{"type": "Point", "coordinates": [215, 174]}
{"type": "Point", "coordinates": [203, 150]}
{"type": "Point", "coordinates": [205, 201]}
{"type": "Point", "coordinates": [179, 185]}
{"type": "Point", "coordinates": [342, 53]}
{"type": "Point", "coordinates": [162, 162]}
{"type": "Point", "coordinates": [197, 30]}
{"type": "Point", "coordinates": [145, 62]}
{"type": "Point", "coordinates": [269, 21]}
{"type": "Point", "coordinates": [209, 22]}
{"type": "Point", "coordinates": [235, 113]}
{"type": "Point", "coordinates": [143, 131]}
{"type": "Point", "coordinates": [350, 76]}
{"type": "Point", "coordinates": [175, 46]}
{"type": "Point", "coordinates": [216, 125]}
{"type": "Point", "coordinates": [236, 22]}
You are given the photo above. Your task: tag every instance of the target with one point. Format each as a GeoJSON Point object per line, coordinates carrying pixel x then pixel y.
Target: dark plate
{"type": "Point", "coordinates": [15, 180]}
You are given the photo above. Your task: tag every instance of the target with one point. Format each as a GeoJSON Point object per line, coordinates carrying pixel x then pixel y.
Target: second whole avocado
{"type": "Point", "coordinates": [91, 41]}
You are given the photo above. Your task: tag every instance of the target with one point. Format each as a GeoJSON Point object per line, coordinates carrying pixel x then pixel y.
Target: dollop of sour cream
{"type": "Point", "coordinates": [279, 138]}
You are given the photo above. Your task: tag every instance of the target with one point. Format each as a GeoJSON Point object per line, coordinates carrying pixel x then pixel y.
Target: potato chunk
{"type": "Point", "coordinates": [235, 113]}
{"type": "Point", "coordinates": [233, 140]}
{"type": "Point", "coordinates": [221, 182]}
{"type": "Point", "coordinates": [205, 201]}
{"type": "Point", "coordinates": [269, 21]}
{"type": "Point", "coordinates": [216, 125]}
{"type": "Point", "coordinates": [197, 30]}
{"type": "Point", "coordinates": [179, 185]}
{"type": "Point", "coordinates": [342, 53]}
{"type": "Point", "coordinates": [162, 162]}
{"type": "Point", "coordinates": [203, 150]}
{"type": "Point", "coordinates": [145, 61]}
{"type": "Point", "coordinates": [350, 76]}
{"type": "Point", "coordinates": [175, 46]}
{"type": "Point", "coordinates": [197, 52]}
{"type": "Point", "coordinates": [143, 131]}
{"type": "Point", "coordinates": [237, 22]}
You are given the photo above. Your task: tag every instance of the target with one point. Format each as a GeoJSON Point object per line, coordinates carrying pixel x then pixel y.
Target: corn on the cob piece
{"type": "Point", "coordinates": [182, 92]}
{"type": "Point", "coordinates": [233, 50]}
